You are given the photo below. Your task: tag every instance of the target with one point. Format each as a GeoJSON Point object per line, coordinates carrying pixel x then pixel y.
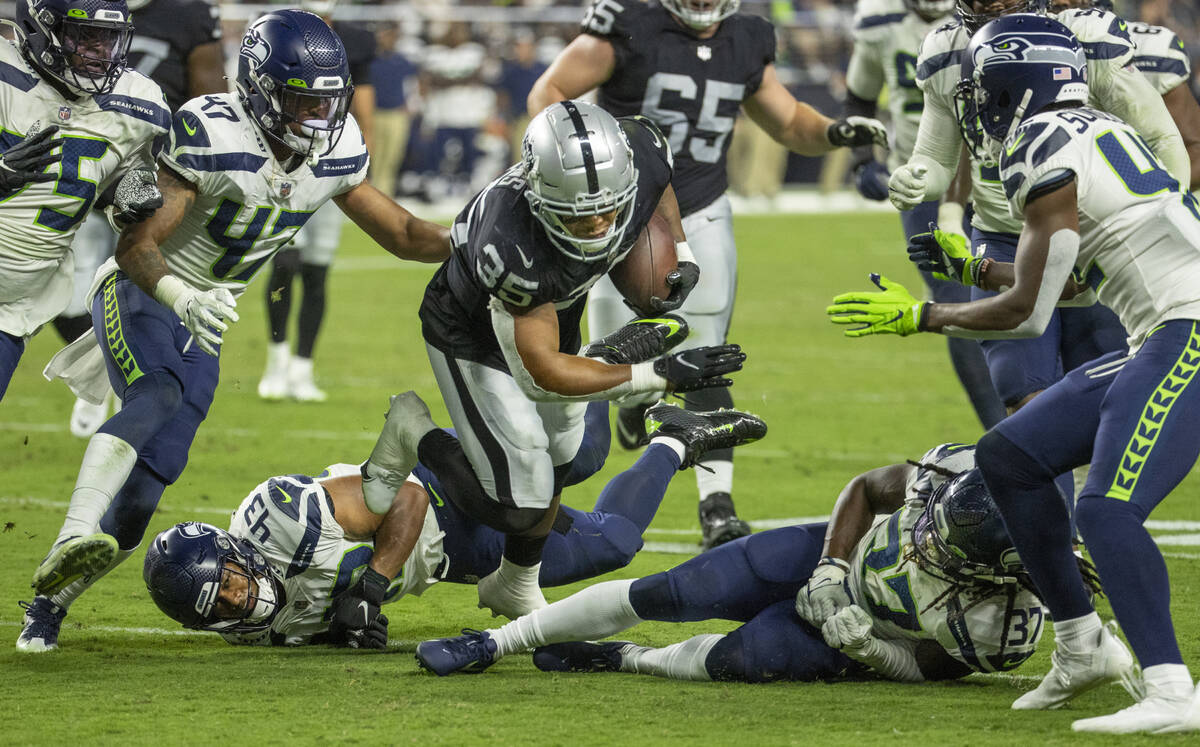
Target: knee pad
{"type": "Point", "coordinates": [1097, 514]}
{"type": "Point", "coordinates": [149, 403]}
{"type": "Point", "coordinates": [1003, 463]}
{"type": "Point", "coordinates": [652, 598]}
{"type": "Point", "coordinates": [727, 661]}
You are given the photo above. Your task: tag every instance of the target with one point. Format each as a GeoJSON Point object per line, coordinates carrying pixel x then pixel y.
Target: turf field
{"type": "Point", "coordinates": [125, 674]}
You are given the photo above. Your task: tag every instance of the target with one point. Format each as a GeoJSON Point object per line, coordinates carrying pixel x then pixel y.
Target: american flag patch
{"type": "Point", "coordinates": [1061, 73]}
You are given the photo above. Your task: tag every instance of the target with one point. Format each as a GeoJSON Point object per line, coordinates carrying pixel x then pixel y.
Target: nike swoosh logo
{"type": "Point", "coordinates": [1013, 148]}
{"type": "Point", "coordinates": [437, 499]}
{"type": "Point", "coordinates": [362, 606]}
{"type": "Point", "coordinates": [189, 128]}
{"type": "Point", "coordinates": [286, 498]}
{"type": "Point", "coordinates": [524, 260]}
{"type": "Point", "coordinates": [683, 362]}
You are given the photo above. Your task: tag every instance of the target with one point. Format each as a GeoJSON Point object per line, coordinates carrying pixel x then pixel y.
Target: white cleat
{"type": "Point", "coordinates": [300, 383]}
{"type": "Point", "coordinates": [1072, 674]}
{"type": "Point", "coordinates": [505, 601]}
{"type": "Point", "coordinates": [1191, 717]}
{"type": "Point", "coordinates": [274, 382]}
{"type": "Point", "coordinates": [395, 452]}
{"type": "Point", "coordinates": [87, 418]}
{"type": "Point", "coordinates": [1159, 712]}
{"type": "Point", "coordinates": [72, 559]}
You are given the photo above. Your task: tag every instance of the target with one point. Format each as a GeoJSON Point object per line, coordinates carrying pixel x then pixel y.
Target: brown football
{"type": "Point", "coordinates": [643, 272]}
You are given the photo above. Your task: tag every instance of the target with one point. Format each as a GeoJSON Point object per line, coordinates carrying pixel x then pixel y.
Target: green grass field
{"type": "Point", "coordinates": [125, 673]}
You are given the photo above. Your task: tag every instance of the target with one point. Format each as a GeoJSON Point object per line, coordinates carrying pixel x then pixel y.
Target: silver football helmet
{"type": "Point", "coordinates": [578, 162]}
{"type": "Point", "coordinates": [700, 14]}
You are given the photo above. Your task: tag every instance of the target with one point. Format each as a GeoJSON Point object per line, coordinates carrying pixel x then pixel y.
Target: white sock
{"type": "Point", "coordinates": [679, 661]}
{"type": "Point", "coordinates": [720, 480]}
{"type": "Point", "coordinates": [1079, 634]}
{"type": "Point", "coordinates": [674, 444]}
{"type": "Point", "coordinates": [596, 612]}
{"type": "Point", "coordinates": [76, 588]}
{"type": "Point", "coordinates": [107, 462]}
{"type": "Point", "coordinates": [1171, 680]}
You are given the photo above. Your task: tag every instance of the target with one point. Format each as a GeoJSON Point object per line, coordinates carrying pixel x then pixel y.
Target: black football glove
{"type": "Point", "coordinates": [700, 368]}
{"type": "Point", "coordinates": [136, 196]}
{"type": "Point", "coordinates": [26, 161]}
{"type": "Point", "coordinates": [356, 620]}
{"type": "Point", "coordinates": [870, 179]}
{"type": "Point", "coordinates": [852, 132]}
{"type": "Point", "coordinates": [682, 280]}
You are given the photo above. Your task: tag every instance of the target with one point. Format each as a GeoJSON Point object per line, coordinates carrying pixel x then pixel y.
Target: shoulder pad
{"type": "Point", "coordinates": [649, 131]}
{"type": "Point", "coordinates": [940, 49]}
{"type": "Point", "coordinates": [1035, 142]}
{"type": "Point", "coordinates": [873, 17]}
{"type": "Point", "coordinates": [1095, 28]}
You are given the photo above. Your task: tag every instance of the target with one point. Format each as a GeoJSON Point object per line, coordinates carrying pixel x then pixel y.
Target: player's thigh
{"type": "Point", "coordinates": [586, 544]}
{"type": "Point", "coordinates": [167, 453]}
{"type": "Point", "coordinates": [94, 242]}
{"type": "Point", "coordinates": [710, 235]}
{"type": "Point", "coordinates": [11, 349]}
{"type": "Point", "coordinates": [499, 428]}
{"type": "Point", "coordinates": [137, 334]}
{"type": "Point", "coordinates": [777, 645]}
{"type": "Point", "coordinates": [318, 239]}
{"type": "Point", "coordinates": [1149, 432]}
{"type": "Point", "coordinates": [563, 425]}
{"type": "Point", "coordinates": [1088, 333]}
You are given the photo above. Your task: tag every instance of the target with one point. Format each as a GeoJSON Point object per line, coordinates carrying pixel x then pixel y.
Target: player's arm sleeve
{"type": "Point", "coordinates": [1125, 92]}
{"type": "Point", "coordinates": [938, 144]}
{"type": "Point", "coordinates": [865, 77]}
{"type": "Point", "coordinates": [895, 660]}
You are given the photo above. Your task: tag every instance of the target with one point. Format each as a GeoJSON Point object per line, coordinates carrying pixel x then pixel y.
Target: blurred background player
{"type": "Point", "coordinates": [688, 65]}
{"type": "Point", "coordinates": [393, 76]}
{"type": "Point", "coordinates": [177, 44]}
{"type": "Point", "coordinates": [887, 36]}
{"type": "Point", "coordinates": [315, 245]}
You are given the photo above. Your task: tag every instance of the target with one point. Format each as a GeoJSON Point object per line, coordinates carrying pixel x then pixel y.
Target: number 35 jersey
{"type": "Point", "coordinates": [910, 604]}
{"type": "Point", "coordinates": [691, 88]}
{"type": "Point", "coordinates": [247, 207]}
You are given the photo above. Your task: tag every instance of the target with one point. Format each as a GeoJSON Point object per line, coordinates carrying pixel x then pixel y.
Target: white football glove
{"type": "Point", "coordinates": [825, 593]}
{"type": "Point", "coordinates": [906, 187]}
{"type": "Point", "coordinates": [204, 313]}
{"type": "Point", "coordinates": [848, 630]}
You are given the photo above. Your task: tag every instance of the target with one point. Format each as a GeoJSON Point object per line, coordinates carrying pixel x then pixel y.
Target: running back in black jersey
{"type": "Point", "coordinates": [501, 250]}
{"type": "Point", "coordinates": [691, 88]}
{"type": "Point", "coordinates": [164, 34]}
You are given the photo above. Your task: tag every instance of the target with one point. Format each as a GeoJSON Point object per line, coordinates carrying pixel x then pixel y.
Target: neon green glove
{"type": "Point", "coordinates": [890, 311]}
{"type": "Point", "coordinates": [945, 254]}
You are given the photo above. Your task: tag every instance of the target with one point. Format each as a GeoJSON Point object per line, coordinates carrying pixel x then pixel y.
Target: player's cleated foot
{"type": "Point", "coordinates": [39, 633]}
{"type": "Point", "coordinates": [395, 452]}
{"type": "Point", "coordinates": [580, 656]}
{"type": "Point", "coordinates": [640, 340]}
{"type": "Point", "coordinates": [274, 382]}
{"type": "Point", "coordinates": [719, 522]}
{"type": "Point", "coordinates": [701, 432]}
{"type": "Point", "coordinates": [87, 418]}
{"type": "Point", "coordinates": [470, 653]}
{"type": "Point", "coordinates": [72, 559]}
{"type": "Point", "coordinates": [1191, 718]}
{"type": "Point", "coordinates": [301, 384]}
{"type": "Point", "coordinates": [1159, 712]}
{"type": "Point", "coordinates": [1072, 674]}
{"type": "Point", "coordinates": [504, 600]}
{"type": "Point", "coordinates": [631, 427]}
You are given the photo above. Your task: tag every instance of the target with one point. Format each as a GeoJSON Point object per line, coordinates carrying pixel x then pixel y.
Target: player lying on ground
{"type": "Point", "coordinates": [305, 560]}
{"type": "Point", "coordinates": [933, 591]}
{"type": "Point", "coordinates": [1096, 202]}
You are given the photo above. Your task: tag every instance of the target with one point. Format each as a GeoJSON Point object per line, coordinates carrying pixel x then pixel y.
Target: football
{"type": "Point", "coordinates": [642, 274]}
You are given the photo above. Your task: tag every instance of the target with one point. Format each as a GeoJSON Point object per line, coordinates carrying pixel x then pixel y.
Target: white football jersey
{"type": "Point", "coordinates": [1139, 233]}
{"type": "Point", "coordinates": [1160, 56]}
{"type": "Point", "coordinates": [939, 69]}
{"type": "Point", "coordinates": [887, 37]}
{"type": "Point", "coordinates": [906, 602]}
{"type": "Point", "coordinates": [103, 137]}
{"type": "Point", "coordinates": [290, 520]}
{"type": "Point", "coordinates": [248, 206]}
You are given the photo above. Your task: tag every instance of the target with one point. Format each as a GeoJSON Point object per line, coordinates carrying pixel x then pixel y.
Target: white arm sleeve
{"type": "Point", "coordinates": [643, 379]}
{"type": "Point", "coordinates": [1060, 258]}
{"type": "Point", "coordinates": [864, 76]}
{"type": "Point", "coordinates": [1127, 93]}
{"type": "Point", "coordinates": [893, 659]}
{"type": "Point", "coordinates": [937, 147]}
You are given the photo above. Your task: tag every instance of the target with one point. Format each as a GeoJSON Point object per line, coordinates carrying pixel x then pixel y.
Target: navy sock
{"type": "Point", "coordinates": [637, 492]}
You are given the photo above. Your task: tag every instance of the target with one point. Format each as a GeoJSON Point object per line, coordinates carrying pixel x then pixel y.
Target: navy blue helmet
{"type": "Point", "coordinates": [1014, 67]}
{"type": "Point", "coordinates": [960, 535]}
{"type": "Point", "coordinates": [974, 13]}
{"type": "Point", "coordinates": [82, 44]}
{"type": "Point", "coordinates": [189, 565]}
{"type": "Point", "coordinates": [293, 78]}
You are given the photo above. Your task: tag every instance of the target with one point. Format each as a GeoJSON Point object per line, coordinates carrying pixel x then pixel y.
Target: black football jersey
{"type": "Point", "coordinates": [691, 88]}
{"type": "Point", "coordinates": [164, 33]}
{"type": "Point", "coordinates": [501, 250]}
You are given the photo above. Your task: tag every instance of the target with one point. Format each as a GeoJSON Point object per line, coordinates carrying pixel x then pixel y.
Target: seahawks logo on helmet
{"type": "Point", "coordinates": [1001, 49]}
{"type": "Point", "coordinates": [255, 48]}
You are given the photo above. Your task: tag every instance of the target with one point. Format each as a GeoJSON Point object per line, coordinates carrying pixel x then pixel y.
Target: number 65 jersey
{"type": "Point", "coordinates": [909, 603]}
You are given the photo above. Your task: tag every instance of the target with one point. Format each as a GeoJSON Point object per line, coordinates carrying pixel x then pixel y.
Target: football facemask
{"type": "Point", "coordinates": [700, 14]}
{"type": "Point", "coordinates": [82, 44]}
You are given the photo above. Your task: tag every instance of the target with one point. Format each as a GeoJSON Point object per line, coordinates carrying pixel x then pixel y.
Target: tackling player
{"type": "Point", "coordinates": [1094, 198]}
{"type": "Point", "coordinates": [241, 174]}
{"type": "Point", "coordinates": [65, 75]}
{"type": "Point", "coordinates": [689, 66]}
{"type": "Point", "coordinates": [933, 591]}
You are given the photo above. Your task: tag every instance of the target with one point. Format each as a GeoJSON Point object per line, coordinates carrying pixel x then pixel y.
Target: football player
{"type": "Point", "coordinates": [66, 76]}
{"type": "Point", "coordinates": [689, 66]}
{"type": "Point", "coordinates": [1095, 200]}
{"type": "Point", "coordinates": [177, 44]}
{"type": "Point", "coordinates": [324, 552]}
{"type": "Point", "coordinates": [887, 35]}
{"type": "Point", "coordinates": [241, 174]}
{"type": "Point", "coordinates": [931, 591]}
{"type": "Point", "coordinates": [501, 318]}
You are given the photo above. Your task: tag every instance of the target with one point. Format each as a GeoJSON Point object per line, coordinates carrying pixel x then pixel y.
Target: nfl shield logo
{"type": "Point", "coordinates": [704, 52]}
{"type": "Point", "coordinates": [64, 113]}
{"type": "Point", "coordinates": [285, 189]}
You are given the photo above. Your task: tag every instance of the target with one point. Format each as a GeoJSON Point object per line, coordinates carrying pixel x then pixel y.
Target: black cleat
{"type": "Point", "coordinates": [701, 432]}
{"type": "Point", "coordinates": [631, 427]}
{"type": "Point", "coordinates": [580, 656]}
{"type": "Point", "coordinates": [719, 522]}
{"type": "Point", "coordinates": [640, 340]}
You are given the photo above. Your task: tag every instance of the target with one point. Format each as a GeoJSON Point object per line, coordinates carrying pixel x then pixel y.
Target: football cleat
{"type": "Point", "coordinates": [640, 340]}
{"type": "Point", "coordinates": [274, 382]}
{"type": "Point", "coordinates": [39, 633]}
{"type": "Point", "coordinates": [1158, 713]}
{"type": "Point", "coordinates": [1072, 674]}
{"type": "Point", "coordinates": [300, 382]}
{"type": "Point", "coordinates": [631, 427]}
{"type": "Point", "coordinates": [719, 522]}
{"type": "Point", "coordinates": [470, 653]}
{"type": "Point", "coordinates": [395, 452]}
{"type": "Point", "coordinates": [580, 656]}
{"type": "Point", "coordinates": [701, 432]}
{"type": "Point", "coordinates": [71, 559]}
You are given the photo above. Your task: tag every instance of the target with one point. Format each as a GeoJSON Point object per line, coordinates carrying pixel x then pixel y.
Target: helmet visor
{"type": "Point", "coordinates": [94, 51]}
{"type": "Point", "coordinates": [323, 110]}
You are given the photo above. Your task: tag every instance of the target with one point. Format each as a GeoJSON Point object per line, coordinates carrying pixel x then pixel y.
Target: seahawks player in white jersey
{"type": "Point", "coordinates": [241, 174]}
{"type": "Point", "coordinates": [1097, 203]}
{"type": "Point", "coordinates": [690, 66]}
{"type": "Point", "coordinates": [887, 35]}
{"type": "Point", "coordinates": [933, 591]}
{"type": "Point", "coordinates": [65, 75]}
